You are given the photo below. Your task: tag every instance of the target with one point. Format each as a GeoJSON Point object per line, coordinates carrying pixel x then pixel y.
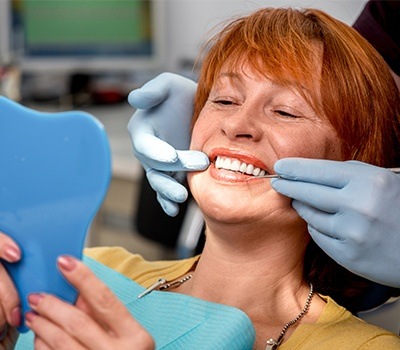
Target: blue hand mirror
{"type": "Point", "coordinates": [55, 172]}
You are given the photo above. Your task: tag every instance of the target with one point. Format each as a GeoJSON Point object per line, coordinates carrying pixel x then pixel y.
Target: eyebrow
{"type": "Point", "coordinates": [230, 75]}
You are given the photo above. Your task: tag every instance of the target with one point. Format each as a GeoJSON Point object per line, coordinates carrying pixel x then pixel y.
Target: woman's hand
{"type": "Point", "coordinates": [97, 321]}
{"type": "Point", "coordinates": [10, 310]}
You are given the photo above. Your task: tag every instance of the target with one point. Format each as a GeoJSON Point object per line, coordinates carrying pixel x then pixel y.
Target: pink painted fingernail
{"type": "Point", "coordinates": [66, 263]}
{"type": "Point", "coordinates": [34, 299]}
{"type": "Point", "coordinates": [16, 317]}
{"type": "Point", "coordinates": [11, 253]}
{"type": "Point", "coordinates": [29, 316]}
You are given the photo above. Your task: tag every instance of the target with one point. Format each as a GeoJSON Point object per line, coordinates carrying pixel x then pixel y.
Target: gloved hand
{"type": "Point", "coordinates": [352, 211]}
{"type": "Point", "coordinates": [160, 132]}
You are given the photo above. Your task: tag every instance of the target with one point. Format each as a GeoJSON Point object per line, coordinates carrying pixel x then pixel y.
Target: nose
{"type": "Point", "coordinates": [242, 124]}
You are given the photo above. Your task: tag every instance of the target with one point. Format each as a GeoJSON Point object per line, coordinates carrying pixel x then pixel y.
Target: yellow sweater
{"type": "Point", "coordinates": [336, 327]}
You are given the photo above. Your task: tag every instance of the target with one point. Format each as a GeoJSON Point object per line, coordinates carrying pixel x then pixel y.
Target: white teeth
{"type": "Point", "coordinates": [218, 162]}
{"type": "Point", "coordinates": [226, 164]}
{"type": "Point", "coordinates": [236, 165]}
{"type": "Point", "coordinates": [249, 169]}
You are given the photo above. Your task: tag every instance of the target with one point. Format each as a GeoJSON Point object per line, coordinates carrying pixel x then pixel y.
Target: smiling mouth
{"type": "Point", "coordinates": [238, 166]}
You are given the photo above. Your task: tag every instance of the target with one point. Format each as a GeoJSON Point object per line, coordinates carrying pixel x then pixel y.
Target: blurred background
{"type": "Point", "coordinates": [58, 55]}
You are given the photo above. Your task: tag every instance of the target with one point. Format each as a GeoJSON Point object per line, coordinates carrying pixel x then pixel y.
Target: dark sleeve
{"type": "Point", "coordinates": [379, 23]}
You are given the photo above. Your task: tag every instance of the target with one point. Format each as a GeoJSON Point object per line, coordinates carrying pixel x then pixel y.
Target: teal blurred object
{"type": "Point", "coordinates": [55, 170]}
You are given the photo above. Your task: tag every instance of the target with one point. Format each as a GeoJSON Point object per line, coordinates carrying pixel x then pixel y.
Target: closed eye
{"type": "Point", "coordinates": [224, 102]}
{"type": "Point", "coordinates": [286, 114]}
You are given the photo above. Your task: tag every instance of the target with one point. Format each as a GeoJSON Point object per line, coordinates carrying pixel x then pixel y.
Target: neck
{"type": "Point", "coordinates": [245, 253]}
{"type": "Point", "coordinates": [260, 273]}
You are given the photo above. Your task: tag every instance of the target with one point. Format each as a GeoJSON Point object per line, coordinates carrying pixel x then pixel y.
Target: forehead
{"type": "Point", "coordinates": [237, 76]}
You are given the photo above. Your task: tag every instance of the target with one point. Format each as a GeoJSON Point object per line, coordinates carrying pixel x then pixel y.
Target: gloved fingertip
{"type": "Point", "coordinates": [277, 184]}
{"type": "Point", "coordinates": [298, 206]}
{"type": "Point", "coordinates": [273, 182]}
{"type": "Point", "coordinates": [193, 160]}
{"type": "Point", "coordinates": [173, 191]}
{"type": "Point", "coordinates": [170, 208]}
{"type": "Point", "coordinates": [279, 165]}
{"type": "Point", "coordinates": [286, 167]}
{"type": "Point", "coordinates": [181, 196]}
{"type": "Point", "coordinates": [202, 161]}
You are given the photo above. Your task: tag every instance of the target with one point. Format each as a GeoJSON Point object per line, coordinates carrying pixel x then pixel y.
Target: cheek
{"type": "Point", "coordinates": [196, 140]}
{"type": "Point", "coordinates": [334, 150]}
{"type": "Point", "coordinates": [315, 143]}
{"type": "Point", "coordinates": [201, 133]}
{"type": "Point", "coordinates": [203, 192]}
{"type": "Point", "coordinates": [329, 147]}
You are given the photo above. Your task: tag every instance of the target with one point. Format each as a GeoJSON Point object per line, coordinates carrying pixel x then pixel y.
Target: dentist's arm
{"type": "Point", "coordinates": [160, 132]}
{"type": "Point", "coordinates": [352, 211]}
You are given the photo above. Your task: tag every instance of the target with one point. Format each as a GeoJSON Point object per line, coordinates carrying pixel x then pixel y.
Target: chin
{"type": "Point", "coordinates": [222, 211]}
{"type": "Point", "coordinates": [235, 203]}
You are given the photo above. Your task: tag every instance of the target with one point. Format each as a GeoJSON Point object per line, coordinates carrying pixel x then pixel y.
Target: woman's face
{"type": "Point", "coordinates": [246, 125]}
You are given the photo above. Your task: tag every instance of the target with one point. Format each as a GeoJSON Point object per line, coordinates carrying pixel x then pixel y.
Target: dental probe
{"type": "Point", "coordinates": [276, 176]}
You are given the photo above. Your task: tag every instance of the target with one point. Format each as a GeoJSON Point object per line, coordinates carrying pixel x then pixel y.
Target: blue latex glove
{"type": "Point", "coordinates": [352, 211]}
{"type": "Point", "coordinates": [160, 132]}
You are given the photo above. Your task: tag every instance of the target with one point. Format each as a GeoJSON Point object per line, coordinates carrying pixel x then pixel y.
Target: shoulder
{"type": "Point", "coordinates": [136, 267]}
{"type": "Point", "coordinates": [337, 328]}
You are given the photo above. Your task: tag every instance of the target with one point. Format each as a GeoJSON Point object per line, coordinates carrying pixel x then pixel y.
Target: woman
{"type": "Point", "coordinates": [277, 83]}
{"type": "Point", "coordinates": [157, 134]}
